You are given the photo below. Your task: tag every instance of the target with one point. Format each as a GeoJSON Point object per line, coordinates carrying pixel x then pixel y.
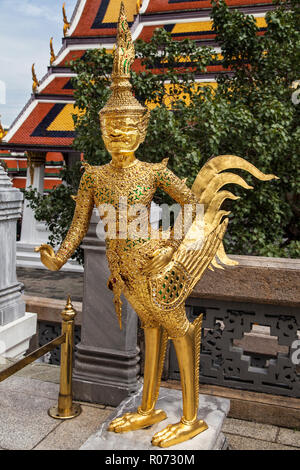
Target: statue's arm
{"type": "Point", "coordinates": [175, 187]}
{"type": "Point", "coordinates": [78, 228]}
{"type": "Point", "coordinates": [182, 194]}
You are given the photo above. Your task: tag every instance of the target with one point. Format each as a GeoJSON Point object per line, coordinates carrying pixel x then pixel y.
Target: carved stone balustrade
{"type": "Point", "coordinates": [251, 326]}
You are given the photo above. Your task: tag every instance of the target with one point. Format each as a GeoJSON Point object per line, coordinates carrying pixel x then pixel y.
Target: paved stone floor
{"type": "Point", "coordinates": [25, 424]}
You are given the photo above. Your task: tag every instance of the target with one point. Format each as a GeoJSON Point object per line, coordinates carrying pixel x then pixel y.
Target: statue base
{"type": "Point", "coordinates": [212, 410]}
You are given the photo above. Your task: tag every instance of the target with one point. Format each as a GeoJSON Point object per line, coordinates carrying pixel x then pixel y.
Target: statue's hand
{"type": "Point", "coordinates": [159, 259]}
{"type": "Point", "coordinates": [48, 257]}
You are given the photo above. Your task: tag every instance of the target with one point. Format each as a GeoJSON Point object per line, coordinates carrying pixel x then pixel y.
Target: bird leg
{"type": "Point", "coordinates": [155, 347]}
{"type": "Point", "coordinates": [188, 355]}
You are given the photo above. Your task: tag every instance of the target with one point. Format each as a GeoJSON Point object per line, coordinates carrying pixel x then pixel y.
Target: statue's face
{"type": "Point", "coordinates": [120, 134]}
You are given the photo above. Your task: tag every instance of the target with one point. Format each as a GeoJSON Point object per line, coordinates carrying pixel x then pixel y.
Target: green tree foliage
{"type": "Point", "coordinates": [250, 114]}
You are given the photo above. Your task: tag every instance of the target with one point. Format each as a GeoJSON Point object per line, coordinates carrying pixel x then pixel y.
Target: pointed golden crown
{"type": "Point", "coordinates": [122, 99]}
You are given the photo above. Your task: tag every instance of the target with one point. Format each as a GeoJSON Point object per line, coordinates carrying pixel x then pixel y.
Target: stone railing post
{"type": "Point", "coordinates": [32, 232]}
{"type": "Point", "coordinates": [106, 363]}
{"type": "Point", "coordinates": [16, 326]}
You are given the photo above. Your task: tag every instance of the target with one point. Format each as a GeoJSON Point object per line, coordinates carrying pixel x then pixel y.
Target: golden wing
{"type": "Point", "coordinates": [207, 186]}
{"type": "Point", "coordinates": [170, 288]}
{"type": "Point", "coordinates": [204, 239]}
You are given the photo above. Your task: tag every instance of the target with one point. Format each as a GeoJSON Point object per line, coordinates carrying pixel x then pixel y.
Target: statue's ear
{"type": "Point", "coordinates": [101, 119]}
{"type": "Point", "coordinates": [102, 124]}
{"type": "Point", "coordinates": [143, 125]}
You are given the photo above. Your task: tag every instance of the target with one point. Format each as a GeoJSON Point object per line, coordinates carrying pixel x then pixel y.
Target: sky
{"type": "Point", "coordinates": [26, 27]}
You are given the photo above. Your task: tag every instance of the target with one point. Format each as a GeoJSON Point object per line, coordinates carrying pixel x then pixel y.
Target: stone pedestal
{"type": "Point", "coordinates": [16, 335]}
{"type": "Point", "coordinates": [12, 307]}
{"type": "Point", "coordinates": [106, 363]}
{"type": "Point", "coordinates": [212, 410]}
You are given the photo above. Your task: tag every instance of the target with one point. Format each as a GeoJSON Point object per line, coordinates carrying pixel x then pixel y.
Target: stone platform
{"type": "Point", "coordinates": [212, 409]}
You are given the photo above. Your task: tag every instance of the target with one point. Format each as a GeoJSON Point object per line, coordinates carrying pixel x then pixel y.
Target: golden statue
{"type": "Point", "coordinates": [35, 82]}
{"type": "Point", "coordinates": [156, 275]}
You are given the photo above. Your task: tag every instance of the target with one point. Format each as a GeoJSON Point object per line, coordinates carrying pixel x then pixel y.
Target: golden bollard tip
{"type": "Point", "coordinates": [68, 312]}
{"type": "Point", "coordinates": [69, 302]}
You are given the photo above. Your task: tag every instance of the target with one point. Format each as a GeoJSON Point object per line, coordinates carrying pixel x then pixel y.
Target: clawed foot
{"type": "Point", "coordinates": [179, 432]}
{"type": "Point", "coordinates": [134, 421]}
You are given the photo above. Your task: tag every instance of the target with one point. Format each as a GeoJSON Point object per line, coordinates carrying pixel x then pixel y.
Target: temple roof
{"type": "Point", "coordinates": [46, 120]}
{"type": "Point", "coordinates": [16, 166]}
{"type": "Point", "coordinates": [160, 6]}
{"type": "Point", "coordinates": [99, 17]}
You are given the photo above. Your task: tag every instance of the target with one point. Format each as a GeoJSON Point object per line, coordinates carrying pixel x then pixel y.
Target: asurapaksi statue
{"type": "Point", "coordinates": [156, 275]}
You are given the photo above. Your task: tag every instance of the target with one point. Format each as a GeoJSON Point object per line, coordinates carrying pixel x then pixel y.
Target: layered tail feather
{"type": "Point", "coordinates": [225, 162]}
{"type": "Point", "coordinates": [207, 186]}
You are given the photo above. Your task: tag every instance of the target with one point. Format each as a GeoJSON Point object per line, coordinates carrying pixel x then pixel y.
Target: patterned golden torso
{"type": "Point", "coordinates": [126, 257]}
{"type": "Point", "coordinates": [137, 185]}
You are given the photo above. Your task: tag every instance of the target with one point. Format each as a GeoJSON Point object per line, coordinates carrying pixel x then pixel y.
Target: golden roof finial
{"type": "Point", "coordinates": [35, 83]}
{"type": "Point", "coordinates": [52, 53]}
{"type": "Point", "coordinates": [138, 6]}
{"type": "Point", "coordinates": [2, 131]}
{"type": "Point", "coordinates": [66, 22]}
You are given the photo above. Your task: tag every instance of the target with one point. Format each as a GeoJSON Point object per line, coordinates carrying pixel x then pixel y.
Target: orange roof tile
{"type": "Point", "coordinates": [99, 17]}
{"type": "Point", "coordinates": [159, 6]}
